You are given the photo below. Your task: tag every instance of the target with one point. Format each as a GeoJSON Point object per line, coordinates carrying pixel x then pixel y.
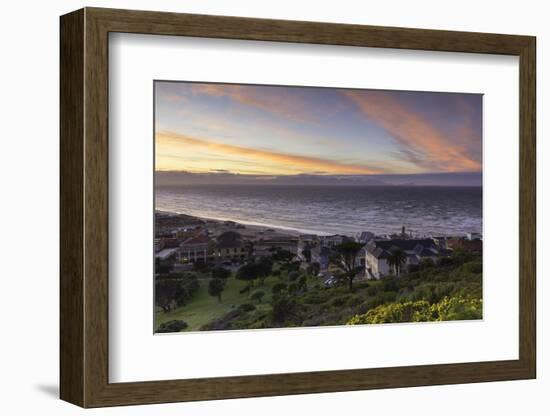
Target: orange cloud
{"type": "Point", "coordinates": [174, 144]}
{"type": "Point", "coordinates": [422, 143]}
{"type": "Point", "coordinates": [285, 106]}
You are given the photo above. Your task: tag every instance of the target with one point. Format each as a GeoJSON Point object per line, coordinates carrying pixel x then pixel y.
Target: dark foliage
{"type": "Point", "coordinates": [172, 326]}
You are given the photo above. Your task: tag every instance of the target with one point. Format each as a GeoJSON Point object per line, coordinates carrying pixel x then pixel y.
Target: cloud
{"type": "Point", "coordinates": [273, 100]}
{"type": "Point", "coordinates": [177, 144]}
{"type": "Point", "coordinates": [421, 143]}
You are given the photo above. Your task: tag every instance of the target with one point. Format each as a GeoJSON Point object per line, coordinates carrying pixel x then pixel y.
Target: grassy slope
{"type": "Point", "coordinates": [205, 308]}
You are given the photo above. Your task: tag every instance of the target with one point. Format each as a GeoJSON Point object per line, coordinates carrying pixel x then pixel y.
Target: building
{"type": "Point", "coordinates": [158, 244]}
{"type": "Point", "coordinates": [265, 247]}
{"type": "Point", "coordinates": [332, 241]}
{"type": "Point", "coordinates": [474, 236]}
{"type": "Point", "coordinates": [364, 237]}
{"type": "Point", "coordinates": [466, 244]}
{"type": "Point", "coordinates": [379, 251]}
{"type": "Point", "coordinates": [403, 235]}
{"type": "Point", "coordinates": [183, 233]}
{"type": "Point", "coordinates": [196, 248]}
{"type": "Point", "coordinates": [230, 246]}
{"type": "Point", "coordinates": [169, 242]}
{"type": "Point", "coordinates": [306, 242]}
{"type": "Point", "coordinates": [321, 255]}
{"type": "Point", "coordinates": [165, 259]}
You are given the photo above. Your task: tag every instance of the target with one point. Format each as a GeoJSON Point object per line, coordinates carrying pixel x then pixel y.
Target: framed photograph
{"type": "Point", "coordinates": [257, 207]}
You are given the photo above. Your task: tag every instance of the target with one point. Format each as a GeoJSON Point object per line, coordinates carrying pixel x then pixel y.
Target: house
{"type": "Point", "coordinates": [230, 246]}
{"type": "Point", "coordinates": [265, 247]}
{"type": "Point", "coordinates": [321, 255]}
{"type": "Point", "coordinates": [158, 244]}
{"type": "Point", "coordinates": [165, 260]}
{"type": "Point", "coordinates": [379, 251]}
{"type": "Point", "coordinates": [364, 237]}
{"type": "Point", "coordinates": [466, 244]}
{"type": "Point", "coordinates": [474, 236]}
{"type": "Point", "coordinates": [332, 241]}
{"type": "Point", "coordinates": [170, 242]}
{"type": "Point", "coordinates": [306, 242]}
{"type": "Point", "coordinates": [196, 248]}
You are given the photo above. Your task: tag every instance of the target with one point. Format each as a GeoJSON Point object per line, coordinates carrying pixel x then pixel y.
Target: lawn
{"type": "Point", "coordinates": [204, 308]}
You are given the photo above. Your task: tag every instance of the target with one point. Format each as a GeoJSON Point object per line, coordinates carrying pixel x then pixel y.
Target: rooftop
{"type": "Point", "coordinates": [166, 253]}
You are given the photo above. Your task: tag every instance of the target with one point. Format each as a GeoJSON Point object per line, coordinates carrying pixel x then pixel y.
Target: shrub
{"type": "Point", "coordinates": [257, 295]}
{"type": "Point", "coordinates": [317, 297]}
{"type": "Point", "coordinates": [278, 288]}
{"type": "Point", "coordinates": [340, 301]}
{"type": "Point", "coordinates": [473, 267]}
{"type": "Point", "coordinates": [282, 308]}
{"type": "Point", "coordinates": [292, 276]}
{"type": "Point", "coordinates": [445, 262]}
{"type": "Point", "coordinates": [247, 307]}
{"type": "Point", "coordinates": [354, 301]}
{"type": "Point", "coordinates": [426, 263]}
{"type": "Point", "coordinates": [293, 288]}
{"type": "Point", "coordinates": [172, 326]}
{"type": "Point", "coordinates": [454, 308]}
{"type": "Point", "coordinates": [220, 273]}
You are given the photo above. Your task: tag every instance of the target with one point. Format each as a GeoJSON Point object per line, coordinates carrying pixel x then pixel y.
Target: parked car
{"type": "Point", "coordinates": [331, 281]}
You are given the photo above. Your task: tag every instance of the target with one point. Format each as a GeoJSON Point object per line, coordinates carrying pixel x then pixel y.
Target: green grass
{"type": "Point", "coordinates": [204, 308]}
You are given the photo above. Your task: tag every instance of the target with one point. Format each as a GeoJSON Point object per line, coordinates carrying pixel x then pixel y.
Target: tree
{"type": "Point", "coordinates": [215, 288]}
{"type": "Point", "coordinates": [220, 273]}
{"type": "Point", "coordinates": [278, 288]}
{"type": "Point", "coordinates": [396, 260]}
{"type": "Point", "coordinates": [282, 308]}
{"type": "Point", "coordinates": [264, 268]}
{"type": "Point", "coordinates": [306, 252]}
{"type": "Point", "coordinates": [258, 295]}
{"type": "Point", "coordinates": [248, 272]}
{"type": "Point", "coordinates": [252, 271]}
{"type": "Point", "coordinates": [345, 260]}
{"type": "Point", "coordinates": [174, 291]}
{"type": "Point", "coordinates": [282, 256]}
{"type": "Point", "coordinates": [292, 276]}
{"type": "Point", "coordinates": [302, 283]}
{"type": "Point", "coordinates": [313, 269]}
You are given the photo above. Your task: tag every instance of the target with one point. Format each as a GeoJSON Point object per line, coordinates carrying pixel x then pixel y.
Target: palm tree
{"type": "Point", "coordinates": [345, 260]}
{"type": "Point", "coordinates": [396, 260]}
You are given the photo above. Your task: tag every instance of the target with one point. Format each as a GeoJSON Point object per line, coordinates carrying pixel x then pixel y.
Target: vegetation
{"type": "Point", "coordinates": [274, 293]}
{"type": "Point", "coordinates": [346, 261]}
{"type": "Point", "coordinates": [215, 288]}
{"type": "Point", "coordinates": [396, 260]}
{"type": "Point", "coordinates": [220, 273]}
{"type": "Point", "coordinates": [172, 326]}
{"type": "Point", "coordinates": [174, 290]}
{"type": "Point", "coordinates": [448, 309]}
{"type": "Point", "coordinates": [258, 295]}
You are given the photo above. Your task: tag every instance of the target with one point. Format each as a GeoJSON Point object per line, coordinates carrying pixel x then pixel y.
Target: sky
{"type": "Point", "coordinates": [277, 131]}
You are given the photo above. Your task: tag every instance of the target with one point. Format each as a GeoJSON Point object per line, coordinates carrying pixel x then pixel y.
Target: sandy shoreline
{"type": "Point", "coordinates": [248, 230]}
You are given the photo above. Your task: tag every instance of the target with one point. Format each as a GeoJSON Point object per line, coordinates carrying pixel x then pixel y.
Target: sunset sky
{"type": "Point", "coordinates": [273, 130]}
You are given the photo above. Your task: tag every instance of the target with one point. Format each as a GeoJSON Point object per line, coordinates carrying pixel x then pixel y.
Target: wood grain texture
{"type": "Point", "coordinates": [84, 207]}
{"type": "Point", "coordinates": [71, 100]}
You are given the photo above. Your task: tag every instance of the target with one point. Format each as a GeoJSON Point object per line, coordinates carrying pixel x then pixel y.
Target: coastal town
{"type": "Point", "coordinates": [225, 275]}
{"type": "Point", "coordinates": [181, 241]}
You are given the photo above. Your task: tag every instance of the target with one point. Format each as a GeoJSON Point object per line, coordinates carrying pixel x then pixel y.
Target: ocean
{"type": "Point", "coordinates": [424, 210]}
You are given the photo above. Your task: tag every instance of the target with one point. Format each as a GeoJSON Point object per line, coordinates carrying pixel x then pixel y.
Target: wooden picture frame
{"type": "Point", "coordinates": [84, 207]}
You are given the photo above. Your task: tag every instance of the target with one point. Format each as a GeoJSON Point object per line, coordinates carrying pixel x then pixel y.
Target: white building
{"type": "Point", "coordinates": [379, 251]}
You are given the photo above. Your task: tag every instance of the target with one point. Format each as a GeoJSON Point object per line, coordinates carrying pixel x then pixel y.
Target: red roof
{"type": "Point", "coordinates": [197, 239]}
